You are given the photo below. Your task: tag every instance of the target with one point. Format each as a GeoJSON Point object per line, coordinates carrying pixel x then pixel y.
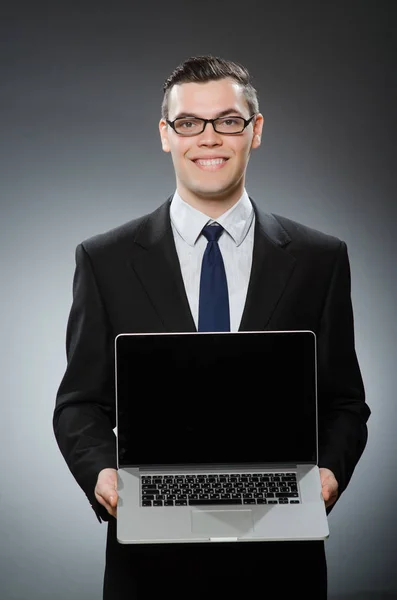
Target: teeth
{"type": "Point", "coordinates": [213, 161]}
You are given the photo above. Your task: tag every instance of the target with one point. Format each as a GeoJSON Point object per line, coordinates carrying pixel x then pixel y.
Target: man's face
{"type": "Point", "coordinates": [225, 178]}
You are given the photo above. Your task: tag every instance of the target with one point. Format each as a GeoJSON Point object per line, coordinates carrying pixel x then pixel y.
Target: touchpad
{"type": "Point", "coordinates": [222, 523]}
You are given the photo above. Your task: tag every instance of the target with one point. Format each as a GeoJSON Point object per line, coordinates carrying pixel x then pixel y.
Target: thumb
{"type": "Point", "coordinates": [106, 488]}
{"type": "Point", "coordinates": [326, 491]}
{"type": "Point", "coordinates": [109, 492]}
{"type": "Point", "coordinates": [113, 496]}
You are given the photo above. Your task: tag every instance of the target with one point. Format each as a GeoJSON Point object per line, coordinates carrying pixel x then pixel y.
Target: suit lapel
{"type": "Point", "coordinates": [271, 269]}
{"type": "Point", "coordinates": [156, 264]}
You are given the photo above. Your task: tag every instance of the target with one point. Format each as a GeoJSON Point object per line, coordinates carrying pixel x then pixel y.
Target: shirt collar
{"type": "Point", "coordinates": [189, 221]}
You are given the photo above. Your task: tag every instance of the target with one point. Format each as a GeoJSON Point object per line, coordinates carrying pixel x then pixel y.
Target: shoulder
{"type": "Point", "coordinates": [303, 235]}
{"type": "Point", "coordinates": [306, 244]}
{"type": "Point", "coordinates": [289, 233]}
{"type": "Point", "coordinates": [124, 236]}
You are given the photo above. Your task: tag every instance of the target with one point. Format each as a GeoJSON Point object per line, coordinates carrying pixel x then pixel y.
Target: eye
{"type": "Point", "coordinates": [187, 123]}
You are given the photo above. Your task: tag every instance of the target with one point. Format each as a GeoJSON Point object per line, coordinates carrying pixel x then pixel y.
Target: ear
{"type": "Point", "coordinates": [163, 128]}
{"type": "Point", "coordinates": [258, 127]}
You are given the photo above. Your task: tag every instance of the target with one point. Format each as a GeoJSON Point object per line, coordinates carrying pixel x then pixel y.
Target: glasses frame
{"type": "Point", "coordinates": [212, 121]}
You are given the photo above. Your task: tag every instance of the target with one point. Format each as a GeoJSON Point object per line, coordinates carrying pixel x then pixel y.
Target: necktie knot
{"type": "Point", "coordinates": [212, 232]}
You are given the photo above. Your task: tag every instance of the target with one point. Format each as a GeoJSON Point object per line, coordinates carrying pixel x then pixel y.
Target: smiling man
{"type": "Point", "coordinates": [153, 274]}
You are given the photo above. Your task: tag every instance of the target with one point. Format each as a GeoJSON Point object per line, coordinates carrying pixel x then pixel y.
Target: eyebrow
{"type": "Point", "coordinates": [223, 113]}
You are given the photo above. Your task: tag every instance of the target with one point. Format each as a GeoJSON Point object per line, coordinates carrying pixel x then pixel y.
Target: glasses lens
{"type": "Point", "coordinates": [188, 126]}
{"type": "Point", "coordinates": [229, 125]}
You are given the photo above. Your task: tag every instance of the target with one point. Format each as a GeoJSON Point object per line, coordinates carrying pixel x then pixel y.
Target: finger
{"type": "Point", "coordinates": [113, 499]}
{"type": "Point", "coordinates": [326, 492]}
{"type": "Point", "coordinates": [331, 501]}
{"type": "Point", "coordinates": [329, 495]}
{"type": "Point", "coordinates": [107, 490]}
{"type": "Point", "coordinates": [112, 511]}
{"type": "Point", "coordinates": [110, 498]}
{"type": "Point", "coordinates": [111, 508]}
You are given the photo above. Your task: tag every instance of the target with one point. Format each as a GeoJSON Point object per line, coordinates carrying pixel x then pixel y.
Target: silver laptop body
{"type": "Point", "coordinates": [217, 437]}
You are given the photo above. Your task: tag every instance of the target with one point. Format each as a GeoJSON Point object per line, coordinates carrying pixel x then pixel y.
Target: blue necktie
{"type": "Point", "coordinates": [214, 297]}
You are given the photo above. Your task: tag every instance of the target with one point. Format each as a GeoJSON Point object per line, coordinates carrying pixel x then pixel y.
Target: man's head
{"type": "Point", "coordinates": [207, 87]}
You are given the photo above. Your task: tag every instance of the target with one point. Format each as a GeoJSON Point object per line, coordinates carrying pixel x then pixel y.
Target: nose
{"type": "Point", "coordinates": [209, 137]}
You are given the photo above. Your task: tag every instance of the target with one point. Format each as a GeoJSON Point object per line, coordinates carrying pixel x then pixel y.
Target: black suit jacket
{"type": "Point", "coordinates": [129, 280]}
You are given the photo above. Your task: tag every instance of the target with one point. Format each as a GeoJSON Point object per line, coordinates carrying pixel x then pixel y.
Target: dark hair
{"type": "Point", "coordinates": [200, 69]}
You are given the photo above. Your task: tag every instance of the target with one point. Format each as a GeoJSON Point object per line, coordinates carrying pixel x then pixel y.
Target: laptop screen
{"type": "Point", "coordinates": [216, 398]}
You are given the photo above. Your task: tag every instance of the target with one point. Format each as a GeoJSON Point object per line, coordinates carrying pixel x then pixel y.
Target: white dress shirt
{"type": "Point", "coordinates": [236, 244]}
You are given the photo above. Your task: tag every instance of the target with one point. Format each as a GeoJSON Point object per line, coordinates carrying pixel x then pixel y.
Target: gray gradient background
{"type": "Point", "coordinates": [80, 94]}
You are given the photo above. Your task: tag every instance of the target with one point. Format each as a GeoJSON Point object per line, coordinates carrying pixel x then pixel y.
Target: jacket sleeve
{"type": "Point", "coordinates": [343, 412]}
{"type": "Point", "coordinates": [84, 415]}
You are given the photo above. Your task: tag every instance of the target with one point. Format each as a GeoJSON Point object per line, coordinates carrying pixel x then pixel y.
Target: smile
{"type": "Point", "coordinates": [210, 164]}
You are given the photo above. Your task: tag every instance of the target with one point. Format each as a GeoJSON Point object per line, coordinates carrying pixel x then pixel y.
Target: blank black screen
{"type": "Point", "coordinates": [215, 398]}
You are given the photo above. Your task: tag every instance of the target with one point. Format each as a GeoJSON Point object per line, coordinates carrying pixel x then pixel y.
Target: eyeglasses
{"type": "Point", "coordinates": [188, 126]}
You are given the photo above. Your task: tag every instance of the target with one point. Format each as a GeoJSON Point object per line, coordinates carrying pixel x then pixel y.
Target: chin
{"type": "Point", "coordinates": [213, 191]}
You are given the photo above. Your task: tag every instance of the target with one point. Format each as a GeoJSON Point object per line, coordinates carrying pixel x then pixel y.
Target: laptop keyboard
{"type": "Point", "coordinates": [219, 489]}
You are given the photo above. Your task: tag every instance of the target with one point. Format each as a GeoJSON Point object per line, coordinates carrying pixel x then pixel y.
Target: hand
{"type": "Point", "coordinates": [329, 486]}
{"type": "Point", "coordinates": [105, 490]}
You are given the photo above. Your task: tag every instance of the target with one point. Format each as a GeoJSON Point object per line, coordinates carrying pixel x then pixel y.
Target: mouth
{"type": "Point", "coordinates": [210, 164]}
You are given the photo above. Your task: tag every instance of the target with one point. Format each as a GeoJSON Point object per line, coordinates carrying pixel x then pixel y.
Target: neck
{"type": "Point", "coordinates": [214, 206]}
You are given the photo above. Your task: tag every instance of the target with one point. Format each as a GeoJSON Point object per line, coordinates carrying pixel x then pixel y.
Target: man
{"type": "Point", "coordinates": [144, 276]}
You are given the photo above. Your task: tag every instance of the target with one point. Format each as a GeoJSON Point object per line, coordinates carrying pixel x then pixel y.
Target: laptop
{"type": "Point", "coordinates": [217, 437]}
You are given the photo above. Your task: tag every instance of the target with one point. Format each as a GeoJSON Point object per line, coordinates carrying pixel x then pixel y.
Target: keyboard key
{"type": "Point", "coordinates": [289, 495]}
{"type": "Point", "coordinates": [207, 502]}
